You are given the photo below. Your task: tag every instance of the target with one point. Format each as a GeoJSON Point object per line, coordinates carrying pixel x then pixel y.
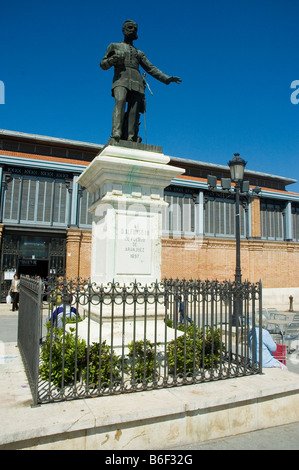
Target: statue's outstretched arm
{"type": "Point", "coordinates": [156, 73]}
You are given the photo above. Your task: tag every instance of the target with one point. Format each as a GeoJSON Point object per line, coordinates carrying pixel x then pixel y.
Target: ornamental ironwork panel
{"type": "Point", "coordinates": [57, 252]}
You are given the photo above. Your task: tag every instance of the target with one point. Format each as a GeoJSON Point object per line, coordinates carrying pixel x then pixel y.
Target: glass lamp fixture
{"type": "Point", "coordinates": [237, 166]}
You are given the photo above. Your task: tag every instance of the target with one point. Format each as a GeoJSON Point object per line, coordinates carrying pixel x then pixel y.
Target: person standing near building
{"type": "Point", "coordinates": [14, 292]}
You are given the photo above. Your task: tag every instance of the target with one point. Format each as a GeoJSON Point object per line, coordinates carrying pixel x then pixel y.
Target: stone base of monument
{"type": "Point", "coordinates": [120, 330]}
{"type": "Point", "coordinates": [126, 185]}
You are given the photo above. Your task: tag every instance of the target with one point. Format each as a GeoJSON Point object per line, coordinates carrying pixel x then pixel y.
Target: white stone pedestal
{"type": "Point", "coordinates": [127, 187]}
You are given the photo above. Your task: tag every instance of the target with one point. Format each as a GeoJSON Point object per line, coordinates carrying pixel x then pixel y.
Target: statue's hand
{"type": "Point", "coordinates": [173, 79]}
{"type": "Point", "coordinates": [116, 59]}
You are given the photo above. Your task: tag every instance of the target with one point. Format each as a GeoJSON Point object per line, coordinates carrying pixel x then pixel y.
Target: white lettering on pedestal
{"type": "Point", "coordinates": [133, 244]}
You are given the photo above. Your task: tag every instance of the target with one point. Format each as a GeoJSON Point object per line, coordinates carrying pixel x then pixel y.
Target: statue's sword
{"type": "Point", "coordinates": [149, 89]}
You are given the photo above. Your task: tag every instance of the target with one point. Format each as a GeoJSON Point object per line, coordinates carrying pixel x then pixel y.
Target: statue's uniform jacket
{"type": "Point", "coordinates": [128, 74]}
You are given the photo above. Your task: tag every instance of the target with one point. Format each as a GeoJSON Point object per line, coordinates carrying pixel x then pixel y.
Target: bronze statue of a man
{"type": "Point", "coordinates": [128, 84]}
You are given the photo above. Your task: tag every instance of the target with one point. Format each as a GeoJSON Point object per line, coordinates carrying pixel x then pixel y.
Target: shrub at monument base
{"type": "Point", "coordinates": [196, 349]}
{"type": "Point", "coordinates": [64, 358]}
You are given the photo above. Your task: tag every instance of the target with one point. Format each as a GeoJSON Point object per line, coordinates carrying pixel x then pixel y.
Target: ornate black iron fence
{"type": "Point", "coordinates": [103, 340]}
{"type": "Point", "coordinates": [29, 330]}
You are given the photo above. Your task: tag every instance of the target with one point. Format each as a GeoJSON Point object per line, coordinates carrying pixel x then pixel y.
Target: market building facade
{"type": "Point", "coordinates": [45, 225]}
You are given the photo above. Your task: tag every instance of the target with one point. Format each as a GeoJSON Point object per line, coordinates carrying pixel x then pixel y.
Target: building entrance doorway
{"type": "Point", "coordinates": [33, 267]}
{"type": "Point", "coordinates": [32, 254]}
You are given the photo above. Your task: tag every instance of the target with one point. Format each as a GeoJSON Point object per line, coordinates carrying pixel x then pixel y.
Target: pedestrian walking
{"type": "Point", "coordinates": [14, 292]}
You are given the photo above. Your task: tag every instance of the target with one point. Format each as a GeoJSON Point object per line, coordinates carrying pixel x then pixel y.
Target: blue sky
{"type": "Point", "coordinates": [237, 60]}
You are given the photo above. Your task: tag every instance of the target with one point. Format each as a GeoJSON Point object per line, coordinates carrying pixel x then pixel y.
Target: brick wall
{"type": "Point", "coordinates": [275, 263]}
{"type": "Point", "coordinates": [78, 253]}
{"type": "Point", "coordinates": [255, 218]}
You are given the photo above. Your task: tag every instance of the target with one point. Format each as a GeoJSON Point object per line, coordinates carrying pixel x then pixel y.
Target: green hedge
{"type": "Point", "coordinates": [195, 349]}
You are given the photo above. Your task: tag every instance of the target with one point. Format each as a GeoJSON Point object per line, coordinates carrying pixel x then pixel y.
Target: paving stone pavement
{"type": "Point", "coordinates": [278, 438]}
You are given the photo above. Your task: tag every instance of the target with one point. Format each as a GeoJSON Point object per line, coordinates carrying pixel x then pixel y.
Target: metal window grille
{"type": "Point", "coordinates": [179, 217]}
{"type": "Point", "coordinates": [219, 218]}
{"type": "Point", "coordinates": [295, 222]}
{"type": "Point", "coordinates": [12, 200]}
{"type": "Point", "coordinates": [272, 221]}
{"type": "Point", "coordinates": [31, 200]}
{"type": "Point", "coordinates": [85, 215]}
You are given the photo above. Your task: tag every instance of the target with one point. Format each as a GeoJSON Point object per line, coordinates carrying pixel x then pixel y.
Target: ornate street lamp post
{"type": "Point", "coordinates": [237, 166]}
{"type": "Point", "coordinates": [242, 188]}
